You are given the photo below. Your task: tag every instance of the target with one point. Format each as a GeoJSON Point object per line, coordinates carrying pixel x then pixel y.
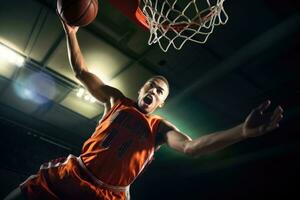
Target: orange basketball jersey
{"type": "Point", "coordinates": [122, 144]}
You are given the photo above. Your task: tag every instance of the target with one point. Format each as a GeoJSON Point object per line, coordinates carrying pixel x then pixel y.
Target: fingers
{"type": "Point", "coordinates": [277, 112]}
{"type": "Point", "coordinates": [59, 16]}
{"type": "Point", "coordinates": [57, 12]}
{"type": "Point", "coordinates": [264, 106]}
{"type": "Point", "coordinates": [277, 116]}
{"type": "Point", "coordinates": [275, 119]}
{"type": "Point", "coordinates": [68, 28]}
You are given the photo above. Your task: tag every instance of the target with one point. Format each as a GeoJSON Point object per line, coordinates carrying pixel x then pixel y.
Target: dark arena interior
{"type": "Point", "coordinates": [45, 113]}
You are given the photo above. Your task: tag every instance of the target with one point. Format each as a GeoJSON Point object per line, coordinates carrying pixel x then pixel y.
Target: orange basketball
{"type": "Point", "coordinates": [77, 12]}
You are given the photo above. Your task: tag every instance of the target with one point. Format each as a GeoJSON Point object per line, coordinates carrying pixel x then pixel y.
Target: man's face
{"type": "Point", "coordinates": [152, 95]}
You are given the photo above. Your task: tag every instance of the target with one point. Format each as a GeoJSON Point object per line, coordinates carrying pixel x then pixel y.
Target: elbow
{"type": "Point", "coordinates": [79, 74]}
{"type": "Point", "coordinates": [190, 151]}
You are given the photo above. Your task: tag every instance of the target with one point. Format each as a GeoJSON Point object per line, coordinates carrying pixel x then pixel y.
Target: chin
{"type": "Point", "coordinates": [147, 110]}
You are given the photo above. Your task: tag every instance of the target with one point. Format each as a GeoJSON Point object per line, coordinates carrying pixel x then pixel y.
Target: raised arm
{"type": "Point", "coordinates": [257, 123]}
{"type": "Point", "coordinates": [93, 83]}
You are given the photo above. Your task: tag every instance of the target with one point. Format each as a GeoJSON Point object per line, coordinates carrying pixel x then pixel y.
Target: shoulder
{"type": "Point", "coordinates": [115, 102]}
{"type": "Point", "coordinates": [165, 126]}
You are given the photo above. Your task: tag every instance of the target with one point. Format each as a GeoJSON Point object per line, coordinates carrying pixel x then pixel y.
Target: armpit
{"type": "Point", "coordinates": [162, 129]}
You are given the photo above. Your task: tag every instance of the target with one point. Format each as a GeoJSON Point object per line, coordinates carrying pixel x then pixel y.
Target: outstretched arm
{"type": "Point", "coordinates": [93, 83]}
{"type": "Point", "coordinates": [257, 123]}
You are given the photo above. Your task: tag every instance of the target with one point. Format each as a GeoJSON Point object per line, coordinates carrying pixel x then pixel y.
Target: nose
{"type": "Point", "coordinates": [153, 91]}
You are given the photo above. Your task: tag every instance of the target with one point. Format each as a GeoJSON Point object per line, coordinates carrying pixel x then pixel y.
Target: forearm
{"type": "Point", "coordinates": [214, 141]}
{"type": "Point", "coordinates": [74, 54]}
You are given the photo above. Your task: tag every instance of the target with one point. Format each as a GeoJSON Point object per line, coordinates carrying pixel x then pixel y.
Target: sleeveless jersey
{"type": "Point", "coordinates": [122, 144]}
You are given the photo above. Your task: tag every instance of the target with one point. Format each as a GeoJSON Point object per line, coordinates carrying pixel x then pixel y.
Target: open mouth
{"type": "Point", "coordinates": [148, 99]}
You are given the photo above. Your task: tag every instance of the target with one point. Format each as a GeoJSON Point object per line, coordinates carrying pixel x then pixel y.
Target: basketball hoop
{"type": "Point", "coordinates": [173, 22]}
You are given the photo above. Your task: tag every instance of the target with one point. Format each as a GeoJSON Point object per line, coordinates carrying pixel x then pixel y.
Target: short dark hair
{"type": "Point", "coordinates": [161, 78]}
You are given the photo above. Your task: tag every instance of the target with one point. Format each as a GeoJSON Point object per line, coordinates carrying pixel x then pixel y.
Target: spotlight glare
{"type": "Point", "coordinates": [87, 97]}
{"type": "Point", "coordinates": [20, 61]}
{"type": "Point", "coordinates": [92, 100]}
{"type": "Point", "coordinates": [80, 92]}
{"type": "Point", "coordinates": [11, 56]}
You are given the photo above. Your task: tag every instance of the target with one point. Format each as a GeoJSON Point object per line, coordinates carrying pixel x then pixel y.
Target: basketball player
{"type": "Point", "coordinates": [125, 140]}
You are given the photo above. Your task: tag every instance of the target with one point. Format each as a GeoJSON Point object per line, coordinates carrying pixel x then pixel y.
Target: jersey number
{"type": "Point", "coordinates": [108, 140]}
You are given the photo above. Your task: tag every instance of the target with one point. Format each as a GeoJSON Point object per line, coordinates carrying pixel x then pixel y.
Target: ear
{"type": "Point", "coordinates": [161, 105]}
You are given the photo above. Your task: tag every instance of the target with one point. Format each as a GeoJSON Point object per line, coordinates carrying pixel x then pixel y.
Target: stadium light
{"type": "Point", "coordinates": [80, 92]}
{"type": "Point", "coordinates": [11, 56]}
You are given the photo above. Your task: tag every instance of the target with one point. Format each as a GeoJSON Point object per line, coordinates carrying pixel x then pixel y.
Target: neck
{"type": "Point", "coordinates": [136, 105]}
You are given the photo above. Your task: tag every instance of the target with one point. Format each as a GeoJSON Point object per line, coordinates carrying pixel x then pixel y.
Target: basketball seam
{"type": "Point", "coordinates": [83, 13]}
{"type": "Point", "coordinates": [95, 7]}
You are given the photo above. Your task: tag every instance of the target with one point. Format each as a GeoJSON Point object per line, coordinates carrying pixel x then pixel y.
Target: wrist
{"type": "Point", "coordinates": [70, 33]}
{"type": "Point", "coordinates": [243, 131]}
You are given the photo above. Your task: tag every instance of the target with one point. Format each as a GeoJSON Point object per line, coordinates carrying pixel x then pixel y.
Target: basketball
{"type": "Point", "coordinates": [77, 12]}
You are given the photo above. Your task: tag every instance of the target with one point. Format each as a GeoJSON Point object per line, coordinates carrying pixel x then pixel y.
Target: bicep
{"type": "Point", "coordinates": [98, 88]}
{"type": "Point", "coordinates": [173, 137]}
{"type": "Point", "coordinates": [177, 140]}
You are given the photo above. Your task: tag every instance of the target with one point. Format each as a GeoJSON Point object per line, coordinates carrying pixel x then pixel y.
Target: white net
{"type": "Point", "coordinates": [174, 22]}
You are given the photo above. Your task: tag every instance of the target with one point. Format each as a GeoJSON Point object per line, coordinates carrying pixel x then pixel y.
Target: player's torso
{"type": "Point", "coordinates": [121, 145]}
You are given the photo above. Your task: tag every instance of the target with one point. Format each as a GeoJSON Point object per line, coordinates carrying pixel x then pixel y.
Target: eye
{"type": "Point", "coordinates": [159, 92]}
